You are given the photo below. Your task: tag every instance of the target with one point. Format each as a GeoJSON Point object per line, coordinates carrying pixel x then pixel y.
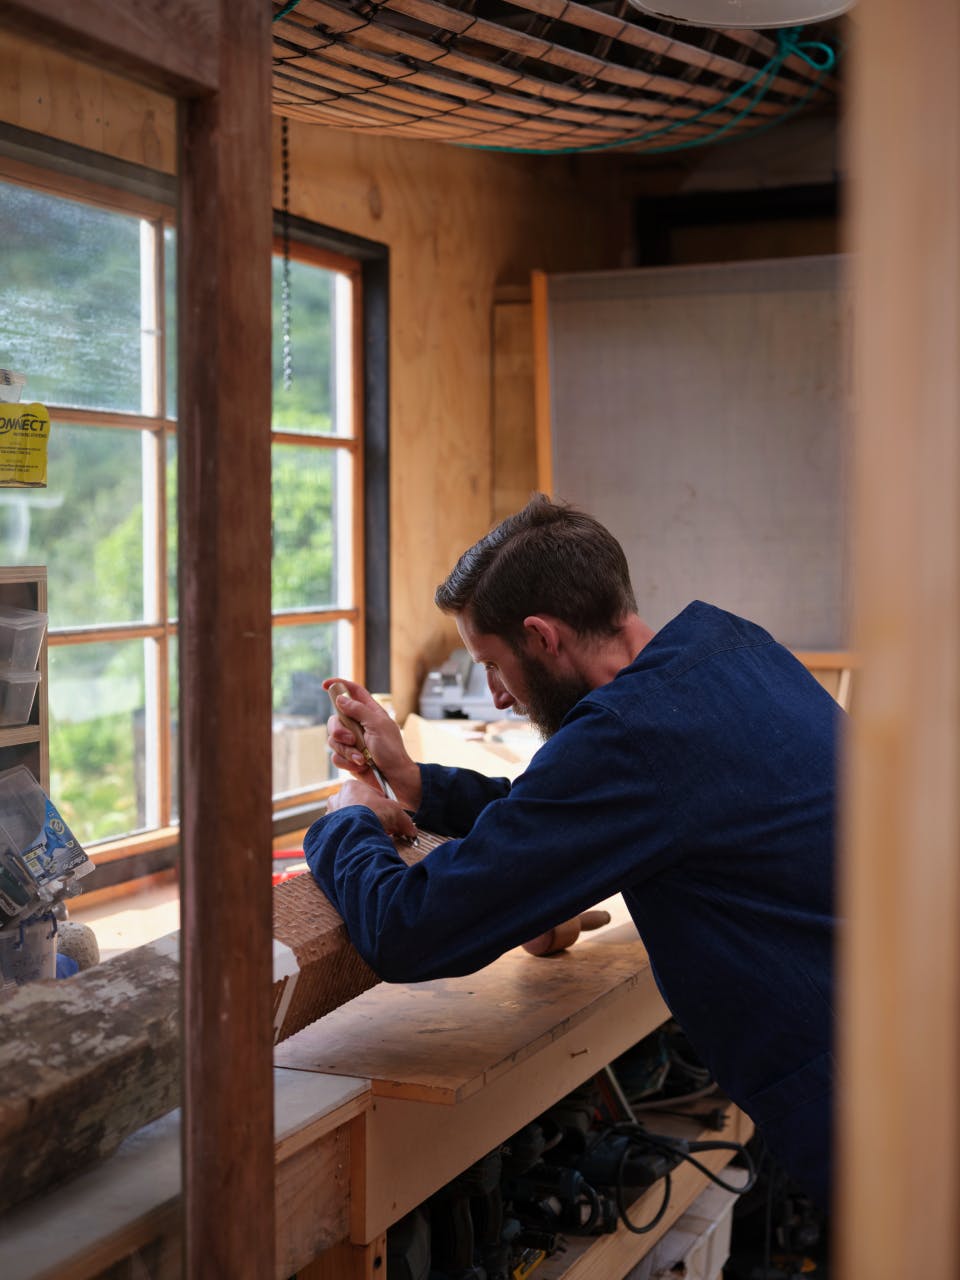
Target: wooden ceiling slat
{"type": "Point", "coordinates": [404, 44]}
{"type": "Point", "coordinates": [424, 67]}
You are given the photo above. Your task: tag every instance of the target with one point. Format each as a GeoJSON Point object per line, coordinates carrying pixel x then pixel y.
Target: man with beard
{"type": "Point", "coordinates": [691, 769]}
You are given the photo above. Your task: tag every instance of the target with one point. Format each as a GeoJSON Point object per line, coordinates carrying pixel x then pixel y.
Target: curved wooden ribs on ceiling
{"type": "Point", "coordinates": [537, 75]}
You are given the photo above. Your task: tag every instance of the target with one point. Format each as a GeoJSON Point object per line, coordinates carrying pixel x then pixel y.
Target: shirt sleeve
{"type": "Point", "coordinates": [453, 799]}
{"type": "Point", "coordinates": [584, 821]}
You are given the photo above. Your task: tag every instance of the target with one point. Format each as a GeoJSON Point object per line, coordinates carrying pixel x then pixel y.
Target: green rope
{"type": "Point", "coordinates": [788, 44]}
{"type": "Point", "coordinates": [282, 13]}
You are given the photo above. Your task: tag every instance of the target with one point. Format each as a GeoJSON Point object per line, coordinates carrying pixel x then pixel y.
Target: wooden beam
{"type": "Point", "coordinates": [543, 409]}
{"type": "Point", "coordinates": [899, 1111]}
{"type": "Point", "coordinates": [224, 252]}
{"type": "Point", "coordinates": [168, 44]}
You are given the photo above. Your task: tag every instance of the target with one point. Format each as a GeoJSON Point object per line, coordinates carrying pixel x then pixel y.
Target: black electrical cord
{"type": "Point", "coordinates": [681, 1148]}
{"type": "Point", "coordinates": [622, 1208]}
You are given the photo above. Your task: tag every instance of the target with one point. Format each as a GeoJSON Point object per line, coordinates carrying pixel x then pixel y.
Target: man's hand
{"type": "Point", "coordinates": [393, 818]}
{"type": "Point", "coordinates": [383, 740]}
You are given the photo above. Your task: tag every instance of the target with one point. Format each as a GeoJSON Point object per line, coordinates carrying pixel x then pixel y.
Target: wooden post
{"type": "Point", "coordinates": [898, 1117]}
{"type": "Point", "coordinates": [225, 239]}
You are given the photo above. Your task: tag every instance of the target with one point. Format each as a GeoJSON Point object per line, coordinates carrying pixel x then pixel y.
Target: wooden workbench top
{"type": "Point", "coordinates": [445, 1040]}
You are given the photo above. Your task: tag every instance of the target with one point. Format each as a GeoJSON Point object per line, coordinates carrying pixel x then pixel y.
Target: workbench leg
{"type": "Point", "coordinates": [346, 1261]}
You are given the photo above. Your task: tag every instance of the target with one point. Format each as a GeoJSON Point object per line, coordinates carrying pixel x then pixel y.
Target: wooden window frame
{"type": "Point", "coordinates": [149, 852]}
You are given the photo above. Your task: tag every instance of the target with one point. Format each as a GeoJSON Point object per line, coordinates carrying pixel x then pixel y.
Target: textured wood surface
{"type": "Point", "coordinates": [224, 244]}
{"type": "Point", "coordinates": [89, 1061]}
{"type": "Point", "coordinates": [329, 971]}
{"type": "Point", "coordinates": [84, 1063]}
{"type": "Point", "coordinates": [444, 1040]}
{"type": "Point", "coordinates": [171, 44]}
{"type": "Point", "coordinates": [898, 1109]}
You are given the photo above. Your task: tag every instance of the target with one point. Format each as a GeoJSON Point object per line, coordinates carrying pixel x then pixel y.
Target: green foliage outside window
{"type": "Point", "coordinates": [70, 320]}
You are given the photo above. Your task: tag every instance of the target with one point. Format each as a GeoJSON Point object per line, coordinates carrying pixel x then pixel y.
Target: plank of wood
{"type": "Point", "coordinates": [224, 244]}
{"type": "Point", "coordinates": [514, 421]}
{"type": "Point", "coordinates": [898, 1108]}
{"type": "Point", "coordinates": [349, 1262]}
{"type": "Point", "coordinates": [445, 1040]}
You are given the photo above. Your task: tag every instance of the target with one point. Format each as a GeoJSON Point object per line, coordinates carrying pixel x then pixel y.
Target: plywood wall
{"type": "Point", "coordinates": [47, 92]}
{"type": "Point", "coordinates": [457, 223]}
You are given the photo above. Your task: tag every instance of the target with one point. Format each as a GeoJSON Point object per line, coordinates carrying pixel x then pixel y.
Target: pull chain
{"type": "Point", "coordinates": [285, 228]}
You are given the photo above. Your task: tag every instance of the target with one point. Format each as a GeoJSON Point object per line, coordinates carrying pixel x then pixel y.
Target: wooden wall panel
{"type": "Point", "coordinates": [48, 92]}
{"type": "Point", "coordinates": [458, 223]}
{"type": "Point", "coordinates": [514, 475]}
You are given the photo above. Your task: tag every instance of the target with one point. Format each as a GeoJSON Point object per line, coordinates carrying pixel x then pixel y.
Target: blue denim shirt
{"type": "Point", "coordinates": [699, 783]}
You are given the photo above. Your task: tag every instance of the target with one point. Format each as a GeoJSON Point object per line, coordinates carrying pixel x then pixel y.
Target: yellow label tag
{"type": "Point", "coordinates": [24, 431]}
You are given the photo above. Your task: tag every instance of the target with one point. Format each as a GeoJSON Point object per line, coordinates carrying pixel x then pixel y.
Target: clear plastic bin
{"type": "Point", "coordinates": [29, 952]}
{"type": "Point", "coordinates": [21, 635]}
{"type": "Point", "coordinates": [11, 386]}
{"type": "Point", "coordinates": [17, 692]}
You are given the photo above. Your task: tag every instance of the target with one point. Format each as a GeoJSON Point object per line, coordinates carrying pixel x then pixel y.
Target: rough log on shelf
{"type": "Point", "coordinates": [88, 1060]}
{"type": "Point", "coordinates": [83, 1063]}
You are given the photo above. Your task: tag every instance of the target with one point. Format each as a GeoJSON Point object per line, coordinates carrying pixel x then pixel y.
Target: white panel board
{"type": "Point", "coordinates": [699, 412]}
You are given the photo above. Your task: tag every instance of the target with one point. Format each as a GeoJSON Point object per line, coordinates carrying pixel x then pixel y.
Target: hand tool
{"type": "Point", "coordinates": [336, 689]}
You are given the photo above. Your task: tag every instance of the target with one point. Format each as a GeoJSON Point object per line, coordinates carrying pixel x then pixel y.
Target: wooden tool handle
{"type": "Point", "coordinates": [348, 722]}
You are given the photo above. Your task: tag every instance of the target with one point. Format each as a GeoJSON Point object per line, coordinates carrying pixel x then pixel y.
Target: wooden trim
{"type": "Point", "coordinates": [899, 1029]}
{"type": "Point", "coordinates": [171, 47]}
{"type": "Point", "coordinates": [827, 659]}
{"type": "Point", "coordinates": [298, 438]}
{"type": "Point", "coordinates": [73, 416]}
{"type": "Point", "coordinates": [540, 314]}
{"type": "Point", "coordinates": [114, 199]}
{"type": "Point", "coordinates": [299, 617]}
{"type": "Point", "coordinates": [97, 634]}
{"type": "Point", "coordinates": [318, 256]}
{"type": "Point", "coordinates": [130, 846]}
{"type": "Point", "coordinates": [129, 888]}
{"type": "Point", "coordinates": [359, 558]}
{"type": "Point", "coordinates": [294, 799]}
{"type": "Point", "coordinates": [224, 278]}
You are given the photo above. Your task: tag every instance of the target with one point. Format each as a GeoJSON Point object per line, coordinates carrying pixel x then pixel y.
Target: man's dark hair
{"type": "Point", "coordinates": [549, 558]}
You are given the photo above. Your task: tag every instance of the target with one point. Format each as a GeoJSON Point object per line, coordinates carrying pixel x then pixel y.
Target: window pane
{"type": "Point", "coordinates": [174, 730]}
{"type": "Point", "coordinates": [311, 527]}
{"type": "Point", "coordinates": [86, 526]}
{"type": "Point", "coordinates": [70, 300]}
{"type": "Point", "coordinates": [318, 400]}
{"type": "Point", "coordinates": [303, 657]}
{"type": "Point", "coordinates": [172, 604]}
{"type": "Point", "coordinates": [96, 700]}
{"type": "Point", "coordinates": [170, 315]}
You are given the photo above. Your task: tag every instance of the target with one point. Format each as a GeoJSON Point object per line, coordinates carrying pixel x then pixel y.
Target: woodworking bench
{"type": "Point", "coordinates": [378, 1105]}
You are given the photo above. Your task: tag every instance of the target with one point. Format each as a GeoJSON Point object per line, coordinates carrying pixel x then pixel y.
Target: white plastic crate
{"type": "Point", "coordinates": [698, 1244]}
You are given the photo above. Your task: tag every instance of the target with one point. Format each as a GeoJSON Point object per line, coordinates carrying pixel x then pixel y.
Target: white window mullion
{"type": "Point", "coordinates": [343, 425]}
{"type": "Point", "coordinates": [152, 478]}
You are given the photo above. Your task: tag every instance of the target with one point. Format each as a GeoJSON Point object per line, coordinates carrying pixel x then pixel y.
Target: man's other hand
{"type": "Point", "coordinates": [383, 740]}
{"type": "Point", "coordinates": [393, 817]}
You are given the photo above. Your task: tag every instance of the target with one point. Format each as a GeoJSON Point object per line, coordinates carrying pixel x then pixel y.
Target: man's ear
{"type": "Point", "coordinates": [543, 633]}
